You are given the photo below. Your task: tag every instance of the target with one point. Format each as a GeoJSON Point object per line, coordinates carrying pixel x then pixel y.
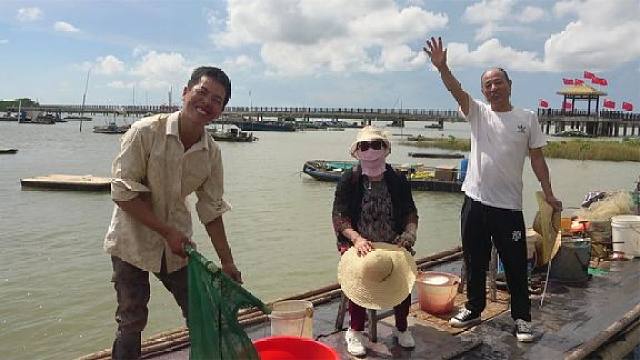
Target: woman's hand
{"type": "Point", "coordinates": [362, 245]}
{"type": "Point", "coordinates": [406, 240]}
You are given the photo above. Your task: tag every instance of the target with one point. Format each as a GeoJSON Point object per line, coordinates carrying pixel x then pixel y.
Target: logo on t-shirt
{"type": "Point", "coordinates": [516, 236]}
{"type": "Point", "coordinates": [522, 128]}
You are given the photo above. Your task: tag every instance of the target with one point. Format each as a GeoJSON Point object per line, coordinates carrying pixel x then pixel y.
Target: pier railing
{"type": "Point", "coordinates": [369, 114]}
{"type": "Point", "coordinates": [355, 113]}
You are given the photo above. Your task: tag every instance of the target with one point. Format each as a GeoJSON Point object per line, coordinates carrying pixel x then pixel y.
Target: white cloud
{"type": "Point", "coordinates": [29, 14]}
{"type": "Point", "coordinates": [64, 27]}
{"type": "Point", "coordinates": [161, 70]}
{"type": "Point", "coordinates": [494, 16]}
{"type": "Point", "coordinates": [241, 62]}
{"type": "Point", "coordinates": [492, 53]}
{"type": "Point", "coordinates": [298, 37]}
{"type": "Point", "coordinates": [488, 11]}
{"type": "Point", "coordinates": [4, 41]}
{"type": "Point", "coordinates": [108, 65]}
{"type": "Point", "coordinates": [604, 35]}
{"type": "Point", "coordinates": [562, 8]}
{"type": "Point", "coordinates": [397, 58]}
{"type": "Point", "coordinates": [531, 14]}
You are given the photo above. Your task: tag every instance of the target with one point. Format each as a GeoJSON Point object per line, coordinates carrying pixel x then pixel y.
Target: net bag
{"type": "Point", "coordinates": [214, 301]}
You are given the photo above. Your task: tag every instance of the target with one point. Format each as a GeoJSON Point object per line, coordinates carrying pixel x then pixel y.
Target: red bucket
{"type": "Point", "coordinates": [293, 348]}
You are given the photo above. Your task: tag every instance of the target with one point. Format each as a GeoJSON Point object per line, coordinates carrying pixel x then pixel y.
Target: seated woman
{"type": "Point", "coordinates": [373, 203]}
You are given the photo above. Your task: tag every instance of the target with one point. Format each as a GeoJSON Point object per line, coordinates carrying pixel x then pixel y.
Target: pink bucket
{"type": "Point", "coordinates": [437, 291]}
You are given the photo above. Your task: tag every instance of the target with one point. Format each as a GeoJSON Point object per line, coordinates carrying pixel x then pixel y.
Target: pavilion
{"type": "Point", "coordinates": [581, 92]}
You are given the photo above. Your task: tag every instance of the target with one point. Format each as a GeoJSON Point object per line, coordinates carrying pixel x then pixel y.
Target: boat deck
{"type": "Point", "coordinates": [569, 324]}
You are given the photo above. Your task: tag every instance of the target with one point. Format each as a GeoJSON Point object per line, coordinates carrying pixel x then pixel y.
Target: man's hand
{"type": "Point", "coordinates": [176, 241]}
{"type": "Point", "coordinates": [362, 245]}
{"type": "Point", "coordinates": [555, 203]}
{"type": "Point", "coordinates": [233, 272]}
{"type": "Point", "coordinates": [436, 52]}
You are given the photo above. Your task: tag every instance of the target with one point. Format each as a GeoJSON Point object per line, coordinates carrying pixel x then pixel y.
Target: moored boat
{"type": "Point", "coordinates": [266, 125]}
{"type": "Point", "coordinates": [232, 134]}
{"type": "Point", "coordinates": [421, 177]}
{"type": "Point", "coordinates": [437, 155]}
{"type": "Point", "coordinates": [77, 118]}
{"type": "Point", "coordinates": [111, 128]}
{"type": "Point", "coordinates": [572, 133]}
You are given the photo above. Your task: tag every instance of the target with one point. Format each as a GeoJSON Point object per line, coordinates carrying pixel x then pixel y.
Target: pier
{"type": "Point", "coordinates": [603, 123]}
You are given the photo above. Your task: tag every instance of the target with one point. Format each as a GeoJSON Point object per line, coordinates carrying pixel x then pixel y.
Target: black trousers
{"type": "Point", "coordinates": [482, 225]}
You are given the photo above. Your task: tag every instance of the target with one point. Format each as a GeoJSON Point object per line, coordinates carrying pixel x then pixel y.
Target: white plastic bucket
{"type": "Point", "coordinates": [625, 234]}
{"type": "Point", "coordinates": [292, 318]}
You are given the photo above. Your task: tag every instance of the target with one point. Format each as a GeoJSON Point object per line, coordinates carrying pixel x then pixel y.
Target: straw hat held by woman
{"type": "Point", "coordinates": [375, 220]}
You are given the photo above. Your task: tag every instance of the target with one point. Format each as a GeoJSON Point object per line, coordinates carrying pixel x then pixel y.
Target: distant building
{"type": "Point", "coordinates": [13, 103]}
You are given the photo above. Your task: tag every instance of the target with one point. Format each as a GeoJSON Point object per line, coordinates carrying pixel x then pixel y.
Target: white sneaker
{"type": "Point", "coordinates": [524, 332]}
{"type": "Point", "coordinates": [355, 346]}
{"type": "Point", "coordinates": [405, 339]}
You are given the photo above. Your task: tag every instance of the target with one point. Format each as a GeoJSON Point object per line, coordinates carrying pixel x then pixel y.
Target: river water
{"type": "Point", "coordinates": [55, 292]}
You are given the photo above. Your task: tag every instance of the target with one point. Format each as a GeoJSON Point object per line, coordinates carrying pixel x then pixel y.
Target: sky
{"type": "Point", "coordinates": [314, 53]}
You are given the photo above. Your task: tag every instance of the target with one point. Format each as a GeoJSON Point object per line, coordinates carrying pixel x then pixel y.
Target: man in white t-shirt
{"type": "Point", "coordinates": [501, 138]}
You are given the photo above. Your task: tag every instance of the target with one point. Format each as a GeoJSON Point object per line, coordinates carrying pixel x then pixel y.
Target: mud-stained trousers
{"type": "Point", "coordinates": [482, 225]}
{"type": "Point", "coordinates": [132, 289]}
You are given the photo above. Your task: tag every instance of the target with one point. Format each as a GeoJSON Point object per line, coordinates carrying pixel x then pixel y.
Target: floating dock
{"type": "Point", "coordinates": [67, 182]}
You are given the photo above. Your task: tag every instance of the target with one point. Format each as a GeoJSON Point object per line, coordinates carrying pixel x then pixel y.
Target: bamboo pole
{"type": "Point", "coordinates": [586, 348]}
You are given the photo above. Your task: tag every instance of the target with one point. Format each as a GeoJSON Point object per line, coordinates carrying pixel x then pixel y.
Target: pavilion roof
{"type": "Point", "coordinates": [581, 89]}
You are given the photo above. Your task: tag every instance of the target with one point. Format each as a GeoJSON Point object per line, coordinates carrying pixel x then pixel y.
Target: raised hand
{"type": "Point", "coordinates": [436, 52]}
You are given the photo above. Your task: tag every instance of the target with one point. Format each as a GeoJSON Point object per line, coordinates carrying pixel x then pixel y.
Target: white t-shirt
{"type": "Point", "coordinates": [500, 141]}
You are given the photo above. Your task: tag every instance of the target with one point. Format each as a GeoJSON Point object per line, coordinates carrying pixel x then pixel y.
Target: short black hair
{"type": "Point", "coordinates": [503, 71]}
{"type": "Point", "coordinates": [215, 74]}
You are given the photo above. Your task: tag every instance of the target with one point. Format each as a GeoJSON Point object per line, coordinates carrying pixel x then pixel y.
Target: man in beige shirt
{"type": "Point", "coordinates": [164, 158]}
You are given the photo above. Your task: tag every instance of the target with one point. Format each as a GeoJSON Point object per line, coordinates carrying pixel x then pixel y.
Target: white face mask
{"type": "Point", "coordinates": [372, 161]}
{"type": "Point", "coordinates": [370, 154]}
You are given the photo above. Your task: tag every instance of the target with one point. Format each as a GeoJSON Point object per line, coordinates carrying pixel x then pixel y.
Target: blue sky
{"type": "Point", "coordinates": [318, 53]}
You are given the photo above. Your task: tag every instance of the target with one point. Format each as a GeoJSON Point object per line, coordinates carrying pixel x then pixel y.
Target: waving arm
{"type": "Point", "coordinates": [438, 55]}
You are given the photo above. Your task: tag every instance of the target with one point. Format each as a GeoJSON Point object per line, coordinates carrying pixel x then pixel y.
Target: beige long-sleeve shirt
{"type": "Point", "coordinates": [152, 160]}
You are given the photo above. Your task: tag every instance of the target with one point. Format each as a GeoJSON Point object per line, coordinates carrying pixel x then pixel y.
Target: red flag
{"type": "Point", "coordinates": [588, 75]}
{"type": "Point", "coordinates": [543, 104]}
{"type": "Point", "coordinates": [578, 82]}
{"type": "Point", "coordinates": [627, 106]}
{"type": "Point", "coordinates": [568, 105]}
{"type": "Point", "coordinates": [567, 81]}
{"type": "Point", "coordinates": [609, 104]}
{"type": "Point", "coordinates": [599, 81]}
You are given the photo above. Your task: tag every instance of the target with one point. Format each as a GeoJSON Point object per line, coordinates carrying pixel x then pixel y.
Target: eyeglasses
{"type": "Point", "coordinates": [375, 145]}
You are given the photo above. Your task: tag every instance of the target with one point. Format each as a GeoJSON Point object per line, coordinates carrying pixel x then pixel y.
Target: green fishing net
{"type": "Point", "coordinates": [214, 301]}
